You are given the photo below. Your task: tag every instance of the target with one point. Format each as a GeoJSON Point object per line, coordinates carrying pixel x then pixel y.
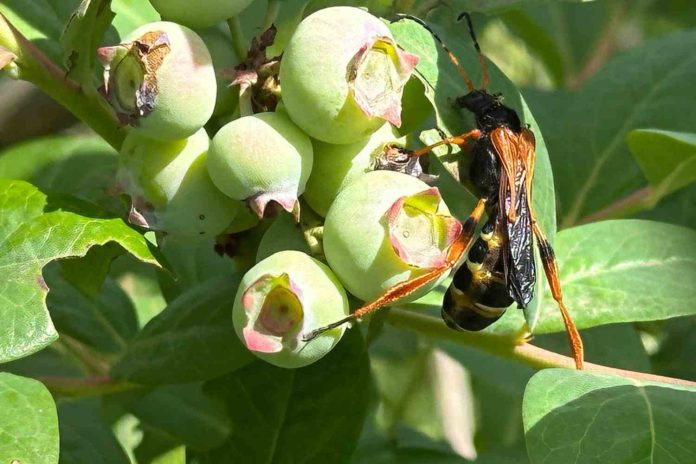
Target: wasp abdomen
{"type": "Point", "coordinates": [478, 295]}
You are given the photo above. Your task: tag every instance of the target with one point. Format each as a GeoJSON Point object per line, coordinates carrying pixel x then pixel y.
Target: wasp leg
{"type": "Point", "coordinates": [551, 269]}
{"type": "Point", "coordinates": [408, 287]}
{"type": "Point", "coordinates": [454, 140]}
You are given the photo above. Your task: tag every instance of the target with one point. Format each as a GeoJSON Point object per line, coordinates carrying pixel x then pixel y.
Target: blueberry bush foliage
{"type": "Point", "coordinates": [188, 188]}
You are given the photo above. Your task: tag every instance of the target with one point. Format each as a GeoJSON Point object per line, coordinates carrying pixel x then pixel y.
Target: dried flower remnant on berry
{"type": "Point", "coordinates": [130, 74]}
{"type": "Point", "coordinates": [274, 312]}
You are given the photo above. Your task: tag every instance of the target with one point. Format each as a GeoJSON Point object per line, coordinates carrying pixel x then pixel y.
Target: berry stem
{"type": "Point", "coordinates": [507, 347]}
{"type": "Point", "coordinates": [272, 11]}
{"type": "Point", "coordinates": [34, 66]}
{"type": "Point", "coordinates": [239, 41]}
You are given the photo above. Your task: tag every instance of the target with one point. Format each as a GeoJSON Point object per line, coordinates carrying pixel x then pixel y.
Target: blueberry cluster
{"type": "Point", "coordinates": [310, 124]}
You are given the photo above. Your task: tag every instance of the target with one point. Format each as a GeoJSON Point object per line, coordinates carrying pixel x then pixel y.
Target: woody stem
{"type": "Point", "coordinates": [507, 347]}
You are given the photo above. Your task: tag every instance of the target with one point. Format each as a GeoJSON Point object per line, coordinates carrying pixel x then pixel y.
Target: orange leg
{"type": "Point", "coordinates": [408, 287]}
{"type": "Point", "coordinates": [454, 140]}
{"type": "Point", "coordinates": [549, 260]}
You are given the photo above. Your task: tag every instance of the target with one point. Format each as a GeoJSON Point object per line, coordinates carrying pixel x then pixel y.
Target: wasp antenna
{"type": "Point", "coordinates": [482, 58]}
{"type": "Point", "coordinates": [455, 61]}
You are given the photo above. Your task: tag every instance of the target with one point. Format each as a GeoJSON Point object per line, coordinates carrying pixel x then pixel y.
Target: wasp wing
{"type": "Point", "coordinates": [516, 152]}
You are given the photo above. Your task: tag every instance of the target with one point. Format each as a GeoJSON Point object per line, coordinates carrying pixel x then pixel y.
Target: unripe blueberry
{"type": "Point", "coordinates": [224, 59]}
{"type": "Point", "coordinates": [385, 228]}
{"type": "Point", "coordinates": [283, 234]}
{"type": "Point", "coordinates": [283, 297]}
{"type": "Point", "coordinates": [261, 158]}
{"type": "Point", "coordinates": [170, 187]}
{"type": "Point", "coordinates": [160, 80]}
{"type": "Point", "coordinates": [199, 14]}
{"type": "Point", "coordinates": [342, 75]}
{"type": "Point", "coordinates": [336, 166]}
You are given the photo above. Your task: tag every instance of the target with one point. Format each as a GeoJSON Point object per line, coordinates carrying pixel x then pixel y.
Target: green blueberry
{"type": "Point", "coordinates": [199, 14]}
{"type": "Point", "coordinates": [336, 166]}
{"type": "Point", "coordinates": [283, 234]}
{"type": "Point", "coordinates": [261, 158]}
{"type": "Point", "coordinates": [170, 188]}
{"type": "Point", "coordinates": [283, 297]}
{"type": "Point", "coordinates": [384, 228]}
{"type": "Point", "coordinates": [160, 80]}
{"type": "Point", "coordinates": [224, 59]}
{"type": "Point", "coordinates": [342, 75]}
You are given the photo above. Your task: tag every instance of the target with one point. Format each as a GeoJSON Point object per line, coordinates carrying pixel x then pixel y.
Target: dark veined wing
{"type": "Point", "coordinates": [516, 152]}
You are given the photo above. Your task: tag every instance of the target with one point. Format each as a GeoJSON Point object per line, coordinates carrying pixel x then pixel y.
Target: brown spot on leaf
{"type": "Point", "coordinates": [42, 283]}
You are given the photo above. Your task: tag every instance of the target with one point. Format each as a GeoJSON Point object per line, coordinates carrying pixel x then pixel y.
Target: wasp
{"type": "Point", "coordinates": [500, 269]}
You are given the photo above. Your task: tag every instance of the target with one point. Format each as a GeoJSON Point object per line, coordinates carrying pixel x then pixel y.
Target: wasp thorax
{"type": "Point", "coordinates": [281, 298]}
{"type": "Point", "coordinates": [160, 80]}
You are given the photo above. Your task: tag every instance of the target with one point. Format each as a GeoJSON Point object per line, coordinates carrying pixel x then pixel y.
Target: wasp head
{"type": "Point", "coordinates": [489, 110]}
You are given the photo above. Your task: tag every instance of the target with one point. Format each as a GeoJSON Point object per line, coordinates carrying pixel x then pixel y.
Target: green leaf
{"type": "Point", "coordinates": [41, 21]}
{"type": "Point", "coordinates": [587, 418]}
{"type": "Point", "coordinates": [192, 339]}
{"type": "Point", "coordinates": [184, 414]}
{"type": "Point", "coordinates": [131, 14]}
{"type": "Point", "coordinates": [157, 448]}
{"type": "Point", "coordinates": [623, 271]}
{"type": "Point", "coordinates": [51, 362]}
{"type": "Point", "coordinates": [444, 84]}
{"type": "Point", "coordinates": [88, 273]}
{"type": "Point", "coordinates": [616, 345]}
{"type": "Point", "coordinates": [313, 414]}
{"type": "Point", "coordinates": [139, 281]}
{"type": "Point", "coordinates": [667, 159]}
{"type": "Point", "coordinates": [105, 321]}
{"type": "Point", "coordinates": [191, 262]}
{"type": "Point", "coordinates": [30, 239]}
{"type": "Point", "coordinates": [564, 35]}
{"type": "Point", "coordinates": [404, 373]}
{"type": "Point", "coordinates": [678, 208]}
{"type": "Point", "coordinates": [85, 437]}
{"type": "Point", "coordinates": [28, 422]}
{"type": "Point", "coordinates": [644, 87]}
{"type": "Point", "coordinates": [81, 37]}
{"type": "Point", "coordinates": [84, 167]}
{"type": "Point", "coordinates": [674, 356]}
{"type": "Point", "coordinates": [496, 5]}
